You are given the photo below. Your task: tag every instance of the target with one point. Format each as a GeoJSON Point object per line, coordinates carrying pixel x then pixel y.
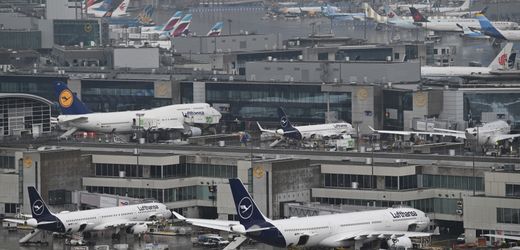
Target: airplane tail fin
{"type": "Point", "coordinates": [118, 8]}
{"type": "Point", "coordinates": [390, 13]}
{"type": "Point", "coordinates": [105, 5]}
{"type": "Point", "coordinates": [172, 22]}
{"type": "Point", "coordinates": [182, 26]}
{"type": "Point", "coordinates": [372, 14]}
{"type": "Point", "coordinates": [248, 212]}
{"type": "Point", "coordinates": [68, 101]}
{"type": "Point", "coordinates": [465, 5]}
{"type": "Point", "coordinates": [487, 27]}
{"type": "Point", "coordinates": [502, 59]}
{"type": "Point", "coordinates": [417, 16]}
{"type": "Point", "coordinates": [39, 209]}
{"type": "Point", "coordinates": [145, 17]}
{"type": "Point", "coordinates": [284, 121]}
{"type": "Point", "coordinates": [216, 30]}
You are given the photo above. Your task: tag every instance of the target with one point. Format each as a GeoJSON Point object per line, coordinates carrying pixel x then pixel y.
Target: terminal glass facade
{"type": "Point", "coordinates": [453, 182]}
{"type": "Point", "coordinates": [253, 102]}
{"type": "Point", "coordinates": [487, 107]}
{"type": "Point", "coordinates": [508, 215]}
{"type": "Point", "coordinates": [74, 32]}
{"type": "Point", "coordinates": [182, 170]}
{"type": "Point", "coordinates": [109, 96]}
{"type": "Point", "coordinates": [21, 116]}
{"type": "Point", "coordinates": [35, 85]}
{"type": "Point", "coordinates": [395, 103]}
{"type": "Point", "coordinates": [199, 192]}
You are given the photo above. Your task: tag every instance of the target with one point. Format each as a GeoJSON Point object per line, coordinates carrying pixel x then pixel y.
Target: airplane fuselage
{"type": "Point", "coordinates": [318, 131]}
{"type": "Point", "coordinates": [329, 230]}
{"type": "Point", "coordinates": [95, 219]}
{"type": "Point", "coordinates": [488, 133]}
{"type": "Point", "coordinates": [455, 71]}
{"type": "Point", "coordinates": [450, 25]}
{"type": "Point", "coordinates": [167, 117]}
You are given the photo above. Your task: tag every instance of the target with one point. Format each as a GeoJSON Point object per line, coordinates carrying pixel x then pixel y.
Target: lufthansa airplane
{"type": "Point", "coordinates": [298, 133]}
{"type": "Point", "coordinates": [132, 218]}
{"type": "Point", "coordinates": [186, 118]}
{"type": "Point", "coordinates": [335, 230]}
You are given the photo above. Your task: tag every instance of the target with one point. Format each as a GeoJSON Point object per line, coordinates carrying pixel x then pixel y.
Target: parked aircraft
{"type": "Point", "coordinates": [331, 12]}
{"type": "Point", "coordinates": [309, 132]}
{"type": "Point", "coordinates": [403, 7]}
{"type": "Point", "coordinates": [182, 27]}
{"type": "Point", "coordinates": [166, 27]}
{"type": "Point", "coordinates": [132, 218]}
{"type": "Point", "coordinates": [335, 230]}
{"type": "Point", "coordinates": [463, 7]}
{"type": "Point", "coordinates": [471, 34]}
{"type": "Point", "coordinates": [118, 10]}
{"type": "Point", "coordinates": [502, 61]}
{"type": "Point", "coordinates": [451, 24]}
{"type": "Point", "coordinates": [305, 10]}
{"type": "Point", "coordinates": [216, 30]}
{"type": "Point", "coordinates": [186, 118]}
{"type": "Point", "coordinates": [493, 30]}
{"type": "Point", "coordinates": [144, 18]}
{"type": "Point", "coordinates": [394, 20]}
{"type": "Point", "coordinates": [488, 134]}
{"type": "Point", "coordinates": [109, 8]}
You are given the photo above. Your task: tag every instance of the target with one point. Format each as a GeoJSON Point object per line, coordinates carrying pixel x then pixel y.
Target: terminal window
{"type": "Point", "coordinates": [508, 215]}
{"type": "Point", "coordinates": [512, 190]}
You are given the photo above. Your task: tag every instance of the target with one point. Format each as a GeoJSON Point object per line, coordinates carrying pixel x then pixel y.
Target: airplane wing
{"type": "Point", "coordinates": [77, 119]}
{"type": "Point", "coordinates": [374, 234]}
{"type": "Point", "coordinates": [394, 132]}
{"type": "Point", "coordinates": [265, 130]}
{"type": "Point", "coordinates": [509, 237]}
{"type": "Point", "coordinates": [16, 221]}
{"type": "Point", "coordinates": [506, 137]}
{"type": "Point", "coordinates": [222, 225]}
{"type": "Point", "coordinates": [120, 224]}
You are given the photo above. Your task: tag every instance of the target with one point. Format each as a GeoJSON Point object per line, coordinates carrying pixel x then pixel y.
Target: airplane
{"type": "Point", "coordinates": [308, 10]}
{"type": "Point", "coordinates": [403, 7]}
{"type": "Point", "coordinates": [133, 219]}
{"type": "Point", "coordinates": [169, 25]}
{"type": "Point", "coordinates": [394, 20]}
{"type": "Point", "coordinates": [144, 18]}
{"type": "Point", "coordinates": [450, 24]}
{"type": "Point", "coordinates": [488, 134]}
{"type": "Point", "coordinates": [186, 118]}
{"type": "Point", "coordinates": [492, 30]}
{"type": "Point", "coordinates": [503, 61]}
{"type": "Point", "coordinates": [216, 30]}
{"type": "Point", "coordinates": [330, 12]}
{"type": "Point", "coordinates": [182, 27]}
{"type": "Point", "coordinates": [463, 7]}
{"type": "Point", "coordinates": [118, 10]}
{"type": "Point", "coordinates": [467, 32]}
{"type": "Point", "coordinates": [318, 131]}
{"type": "Point", "coordinates": [334, 230]}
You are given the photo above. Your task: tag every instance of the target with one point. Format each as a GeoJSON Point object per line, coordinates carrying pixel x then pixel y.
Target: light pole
{"type": "Point", "coordinates": [229, 24]}
{"type": "Point", "coordinates": [372, 161]}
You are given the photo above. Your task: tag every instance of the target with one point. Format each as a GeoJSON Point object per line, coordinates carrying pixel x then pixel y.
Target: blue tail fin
{"type": "Point", "coordinates": [248, 212]}
{"type": "Point", "coordinates": [284, 121]}
{"type": "Point", "coordinates": [39, 210]}
{"type": "Point", "coordinates": [488, 28]}
{"type": "Point", "coordinates": [68, 101]}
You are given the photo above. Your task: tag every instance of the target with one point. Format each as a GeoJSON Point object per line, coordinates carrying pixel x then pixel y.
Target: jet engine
{"type": "Point", "coordinates": [137, 229]}
{"type": "Point", "coordinates": [193, 131]}
{"type": "Point", "coordinates": [400, 243]}
{"type": "Point", "coordinates": [31, 222]}
{"type": "Point", "coordinates": [238, 229]}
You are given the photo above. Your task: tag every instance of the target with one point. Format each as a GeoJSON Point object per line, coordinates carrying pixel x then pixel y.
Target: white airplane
{"type": "Point", "coordinates": [318, 131]}
{"type": "Point", "coordinates": [166, 27]}
{"type": "Point", "coordinates": [403, 7]}
{"type": "Point", "coordinates": [492, 30]}
{"type": "Point", "coordinates": [395, 20]}
{"type": "Point", "coordinates": [450, 24]}
{"type": "Point", "coordinates": [186, 118]}
{"type": "Point", "coordinates": [308, 10]}
{"type": "Point", "coordinates": [463, 7]}
{"type": "Point", "coordinates": [501, 62]}
{"type": "Point", "coordinates": [487, 134]}
{"type": "Point", "coordinates": [335, 230]}
{"type": "Point", "coordinates": [109, 8]}
{"type": "Point", "coordinates": [132, 218]}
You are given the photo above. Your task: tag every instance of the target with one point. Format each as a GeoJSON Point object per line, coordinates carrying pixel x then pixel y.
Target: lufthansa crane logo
{"type": "Point", "coordinates": [245, 208]}
{"type": "Point", "coordinates": [88, 28]}
{"type": "Point", "coordinates": [283, 122]}
{"type": "Point", "coordinates": [37, 207]}
{"type": "Point", "coordinates": [66, 98]}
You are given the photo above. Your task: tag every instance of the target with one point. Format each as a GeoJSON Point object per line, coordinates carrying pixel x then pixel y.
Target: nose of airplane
{"type": "Point", "coordinates": [168, 214]}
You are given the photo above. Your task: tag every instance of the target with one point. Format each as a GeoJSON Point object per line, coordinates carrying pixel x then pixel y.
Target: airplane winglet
{"type": "Point", "coordinates": [178, 216]}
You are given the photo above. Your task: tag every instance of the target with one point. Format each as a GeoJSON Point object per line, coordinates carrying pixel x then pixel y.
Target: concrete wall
{"type": "Point", "coordinates": [495, 182]}
{"type": "Point", "coordinates": [324, 71]}
{"type": "Point", "coordinates": [63, 9]}
{"type": "Point", "coordinates": [226, 43]}
{"type": "Point", "coordinates": [138, 58]}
